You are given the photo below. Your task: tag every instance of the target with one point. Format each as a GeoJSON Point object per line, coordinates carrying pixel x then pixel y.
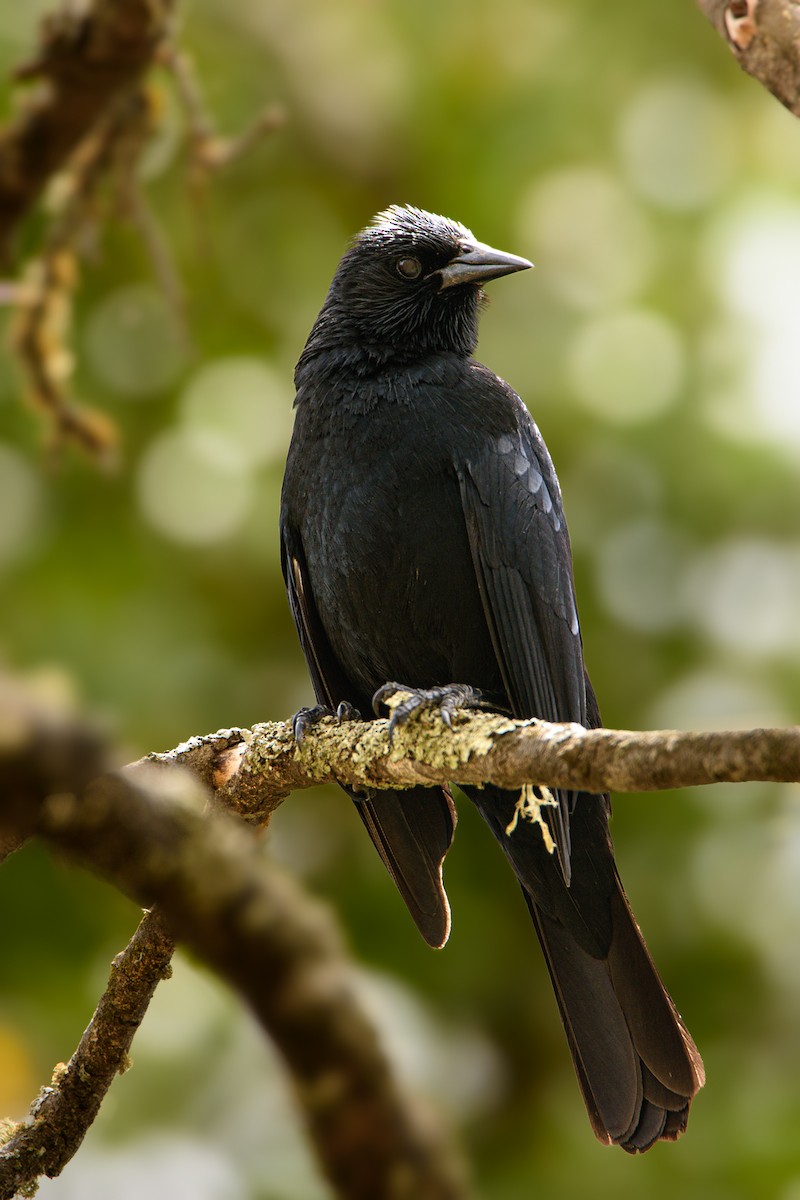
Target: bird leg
{"type": "Point", "coordinates": [446, 699]}
{"type": "Point", "coordinates": [305, 718]}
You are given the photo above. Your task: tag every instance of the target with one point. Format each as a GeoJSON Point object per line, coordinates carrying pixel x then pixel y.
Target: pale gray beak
{"type": "Point", "coordinates": [478, 263]}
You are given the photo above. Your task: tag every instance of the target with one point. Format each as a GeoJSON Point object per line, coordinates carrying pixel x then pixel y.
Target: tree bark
{"type": "Point", "coordinates": [255, 769]}
{"type": "Point", "coordinates": [764, 38]}
{"type": "Point", "coordinates": [159, 837]}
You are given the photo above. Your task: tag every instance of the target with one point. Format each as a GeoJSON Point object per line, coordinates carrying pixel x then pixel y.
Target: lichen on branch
{"type": "Point", "coordinates": [255, 769]}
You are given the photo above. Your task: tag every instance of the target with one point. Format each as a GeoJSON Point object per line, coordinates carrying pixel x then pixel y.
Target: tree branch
{"type": "Point", "coordinates": [62, 1113]}
{"type": "Point", "coordinates": [87, 59]}
{"type": "Point", "coordinates": [256, 769]}
{"type": "Point", "coordinates": [152, 833]}
{"type": "Point", "coordinates": [764, 37]}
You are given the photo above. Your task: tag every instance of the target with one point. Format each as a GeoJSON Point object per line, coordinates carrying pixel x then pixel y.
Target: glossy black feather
{"type": "Point", "coordinates": [522, 561]}
{"type": "Point", "coordinates": [412, 830]}
{"type": "Point", "coordinates": [424, 541]}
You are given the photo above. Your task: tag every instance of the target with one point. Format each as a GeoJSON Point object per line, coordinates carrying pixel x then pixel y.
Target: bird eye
{"type": "Point", "coordinates": [409, 268]}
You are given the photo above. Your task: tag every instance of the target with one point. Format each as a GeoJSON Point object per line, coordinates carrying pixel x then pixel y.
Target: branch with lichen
{"type": "Point", "coordinates": [764, 37]}
{"type": "Point", "coordinates": [255, 769]}
{"type": "Point", "coordinates": [150, 830]}
{"type": "Point", "coordinates": [155, 835]}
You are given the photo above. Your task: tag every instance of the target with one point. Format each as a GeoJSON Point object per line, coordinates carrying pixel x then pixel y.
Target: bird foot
{"type": "Point", "coordinates": [446, 699]}
{"type": "Point", "coordinates": [306, 718]}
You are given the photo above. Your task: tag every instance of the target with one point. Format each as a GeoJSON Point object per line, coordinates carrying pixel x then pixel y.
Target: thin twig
{"type": "Point", "coordinates": [209, 150]}
{"type": "Point", "coordinates": [160, 253]}
{"type": "Point", "coordinates": [40, 332]}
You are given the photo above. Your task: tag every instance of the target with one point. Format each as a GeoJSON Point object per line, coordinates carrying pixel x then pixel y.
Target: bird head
{"type": "Point", "coordinates": [410, 284]}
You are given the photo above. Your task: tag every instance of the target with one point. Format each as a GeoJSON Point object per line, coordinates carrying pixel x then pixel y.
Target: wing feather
{"type": "Point", "coordinates": [511, 500]}
{"type": "Point", "coordinates": [412, 830]}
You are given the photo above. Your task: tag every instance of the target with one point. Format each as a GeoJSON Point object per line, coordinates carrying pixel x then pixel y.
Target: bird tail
{"type": "Point", "coordinates": [412, 831]}
{"type": "Point", "coordinates": [636, 1063]}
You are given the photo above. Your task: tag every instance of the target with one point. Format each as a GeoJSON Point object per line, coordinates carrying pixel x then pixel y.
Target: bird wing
{"type": "Point", "coordinates": [413, 829]}
{"type": "Point", "coordinates": [523, 564]}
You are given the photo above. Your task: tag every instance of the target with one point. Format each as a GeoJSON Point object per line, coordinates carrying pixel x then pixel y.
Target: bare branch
{"type": "Point", "coordinates": [62, 1113]}
{"type": "Point", "coordinates": [209, 150]}
{"type": "Point", "coordinates": [764, 37]}
{"type": "Point", "coordinates": [40, 331]}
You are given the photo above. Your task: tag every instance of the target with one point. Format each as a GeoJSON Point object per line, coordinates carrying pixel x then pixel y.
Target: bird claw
{"type": "Point", "coordinates": [345, 711]}
{"type": "Point", "coordinates": [446, 699]}
{"type": "Point", "coordinates": [306, 718]}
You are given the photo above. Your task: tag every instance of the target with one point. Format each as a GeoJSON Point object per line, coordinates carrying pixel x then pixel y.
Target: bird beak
{"type": "Point", "coordinates": [477, 263]}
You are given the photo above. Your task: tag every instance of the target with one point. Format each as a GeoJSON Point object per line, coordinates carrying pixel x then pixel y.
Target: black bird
{"type": "Point", "coordinates": [423, 540]}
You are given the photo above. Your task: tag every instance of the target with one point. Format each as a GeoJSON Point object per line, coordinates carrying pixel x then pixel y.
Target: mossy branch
{"type": "Point", "coordinates": [158, 836]}
{"type": "Point", "coordinates": [152, 830]}
{"type": "Point", "coordinates": [255, 769]}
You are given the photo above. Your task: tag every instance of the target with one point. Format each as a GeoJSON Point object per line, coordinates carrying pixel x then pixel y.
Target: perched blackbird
{"type": "Point", "coordinates": [423, 540]}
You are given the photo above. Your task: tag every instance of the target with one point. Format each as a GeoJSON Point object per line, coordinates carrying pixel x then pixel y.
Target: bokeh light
{"type": "Point", "coordinates": [744, 596]}
{"type": "Point", "coordinates": [641, 568]}
{"type": "Point", "coordinates": [753, 261]}
{"type": "Point", "coordinates": [458, 1065]}
{"type": "Point", "coordinates": [22, 505]}
{"type": "Point", "coordinates": [133, 342]}
{"type": "Point", "coordinates": [596, 241]}
{"type": "Point", "coordinates": [607, 483]}
{"type": "Point", "coordinates": [194, 487]}
{"type": "Point", "coordinates": [627, 366]}
{"type": "Point", "coordinates": [655, 186]}
{"type": "Point", "coordinates": [244, 402]}
{"type": "Point", "coordinates": [746, 878]}
{"type": "Point", "coordinates": [160, 1167]}
{"type": "Point", "coordinates": [716, 698]}
{"type": "Point", "coordinates": [677, 140]}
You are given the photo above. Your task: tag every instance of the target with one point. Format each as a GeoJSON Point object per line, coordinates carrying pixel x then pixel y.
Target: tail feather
{"type": "Point", "coordinates": [412, 831]}
{"type": "Point", "coordinates": [637, 1066]}
{"type": "Point", "coordinates": [656, 1026]}
{"type": "Point", "coordinates": [636, 1063]}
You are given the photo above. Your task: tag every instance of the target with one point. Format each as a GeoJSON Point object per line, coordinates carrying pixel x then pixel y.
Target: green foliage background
{"type": "Point", "coordinates": [657, 189]}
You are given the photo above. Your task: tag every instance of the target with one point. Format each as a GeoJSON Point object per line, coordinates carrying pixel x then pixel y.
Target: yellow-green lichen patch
{"type": "Point", "coordinates": [529, 807]}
